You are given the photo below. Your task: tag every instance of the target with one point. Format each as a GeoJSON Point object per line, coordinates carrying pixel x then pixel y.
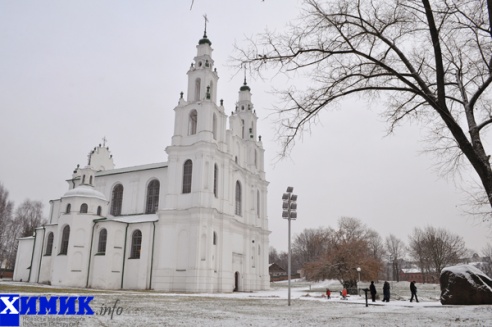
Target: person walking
{"type": "Point", "coordinates": [372, 288]}
{"type": "Point", "coordinates": [386, 292]}
{"type": "Point", "coordinates": [413, 290]}
{"type": "Point", "coordinates": [328, 293]}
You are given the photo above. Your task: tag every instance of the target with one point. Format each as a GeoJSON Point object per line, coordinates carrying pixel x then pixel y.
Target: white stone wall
{"type": "Point", "coordinates": [23, 259]}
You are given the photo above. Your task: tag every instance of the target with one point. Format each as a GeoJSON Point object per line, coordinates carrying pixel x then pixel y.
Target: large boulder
{"type": "Point", "coordinates": [465, 285]}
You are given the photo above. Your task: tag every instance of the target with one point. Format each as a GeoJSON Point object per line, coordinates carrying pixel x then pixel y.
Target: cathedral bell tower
{"type": "Point", "coordinates": [243, 122]}
{"type": "Point", "coordinates": [198, 117]}
{"type": "Point", "coordinates": [202, 76]}
{"type": "Point", "coordinates": [199, 133]}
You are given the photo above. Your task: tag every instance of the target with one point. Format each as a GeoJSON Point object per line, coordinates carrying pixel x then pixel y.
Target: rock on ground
{"type": "Point", "coordinates": [465, 285]}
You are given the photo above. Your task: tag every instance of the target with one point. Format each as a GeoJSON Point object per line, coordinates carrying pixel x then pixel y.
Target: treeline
{"type": "Point", "coordinates": [15, 223]}
{"type": "Point", "coordinates": [336, 253]}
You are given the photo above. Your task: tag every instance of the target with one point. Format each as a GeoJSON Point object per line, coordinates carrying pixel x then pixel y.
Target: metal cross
{"type": "Point", "coordinates": [206, 21]}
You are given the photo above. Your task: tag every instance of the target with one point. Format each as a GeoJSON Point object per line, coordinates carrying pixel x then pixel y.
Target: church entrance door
{"type": "Point", "coordinates": [236, 281]}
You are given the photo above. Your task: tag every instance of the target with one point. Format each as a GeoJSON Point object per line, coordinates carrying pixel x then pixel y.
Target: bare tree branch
{"type": "Point", "coordinates": [430, 60]}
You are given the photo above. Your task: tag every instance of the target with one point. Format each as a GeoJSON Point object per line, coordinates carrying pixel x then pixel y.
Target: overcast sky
{"type": "Point", "coordinates": [73, 72]}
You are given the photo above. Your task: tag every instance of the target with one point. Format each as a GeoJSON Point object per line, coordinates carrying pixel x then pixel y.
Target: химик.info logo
{"type": "Point", "coordinates": [9, 310]}
{"type": "Point", "coordinates": [12, 306]}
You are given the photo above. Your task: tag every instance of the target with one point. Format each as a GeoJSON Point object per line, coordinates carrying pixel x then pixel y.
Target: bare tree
{"type": "Point", "coordinates": [29, 215]}
{"type": "Point", "coordinates": [396, 250]}
{"type": "Point", "coordinates": [283, 261]}
{"type": "Point", "coordinates": [310, 244]}
{"type": "Point", "coordinates": [6, 208]}
{"type": "Point", "coordinates": [487, 253]}
{"type": "Point", "coordinates": [350, 246]}
{"type": "Point", "coordinates": [430, 60]}
{"type": "Point", "coordinates": [436, 248]}
{"type": "Point", "coordinates": [273, 255]}
{"type": "Point", "coordinates": [376, 248]}
{"type": "Point", "coordinates": [11, 243]}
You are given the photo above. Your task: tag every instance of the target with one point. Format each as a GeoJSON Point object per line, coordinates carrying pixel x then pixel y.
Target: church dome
{"type": "Point", "coordinates": [245, 88]}
{"type": "Point", "coordinates": [85, 192]}
{"type": "Point", "coordinates": [204, 40]}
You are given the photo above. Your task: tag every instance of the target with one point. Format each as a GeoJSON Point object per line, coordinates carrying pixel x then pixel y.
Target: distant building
{"type": "Point", "coordinates": [276, 272]}
{"type": "Point", "coordinates": [196, 223]}
{"type": "Point", "coordinates": [415, 274]}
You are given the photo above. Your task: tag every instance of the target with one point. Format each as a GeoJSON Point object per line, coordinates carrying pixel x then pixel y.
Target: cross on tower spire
{"type": "Point", "coordinates": [244, 74]}
{"type": "Point", "coordinates": [206, 21]}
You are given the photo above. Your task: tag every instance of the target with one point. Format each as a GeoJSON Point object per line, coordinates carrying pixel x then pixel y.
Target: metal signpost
{"type": "Point", "coordinates": [289, 211]}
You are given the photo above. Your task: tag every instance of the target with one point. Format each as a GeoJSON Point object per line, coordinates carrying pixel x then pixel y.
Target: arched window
{"type": "Point", "coordinates": [197, 88]}
{"type": "Point", "coordinates": [215, 239]}
{"type": "Point", "coordinates": [187, 174]}
{"type": "Point", "coordinates": [193, 120]}
{"type": "Point", "coordinates": [49, 244]}
{"type": "Point", "coordinates": [83, 208]}
{"type": "Point", "coordinates": [117, 200]}
{"type": "Point", "coordinates": [101, 245]}
{"type": "Point", "coordinates": [99, 210]}
{"type": "Point", "coordinates": [216, 180]}
{"type": "Point", "coordinates": [68, 208]}
{"type": "Point", "coordinates": [238, 198]}
{"type": "Point", "coordinates": [136, 244]}
{"type": "Point", "coordinates": [242, 128]}
{"type": "Point", "coordinates": [152, 197]}
{"type": "Point", "coordinates": [214, 126]}
{"type": "Point", "coordinates": [64, 240]}
{"type": "Point", "coordinates": [90, 180]}
{"type": "Point", "coordinates": [211, 89]}
{"type": "Point", "coordinates": [83, 179]}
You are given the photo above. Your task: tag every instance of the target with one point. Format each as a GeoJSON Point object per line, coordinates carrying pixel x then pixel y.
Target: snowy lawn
{"type": "Point", "coordinates": [267, 308]}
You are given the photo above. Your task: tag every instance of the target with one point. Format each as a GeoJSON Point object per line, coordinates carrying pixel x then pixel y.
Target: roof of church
{"type": "Point", "coordinates": [137, 218]}
{"type": "Point", "coordinates": [85, 192]}
{"type": "Point", "coordinates": [133, 168]}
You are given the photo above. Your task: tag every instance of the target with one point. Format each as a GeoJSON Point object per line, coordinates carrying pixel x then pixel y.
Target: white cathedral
{"type": "Point", "coordinates": [196, 223]}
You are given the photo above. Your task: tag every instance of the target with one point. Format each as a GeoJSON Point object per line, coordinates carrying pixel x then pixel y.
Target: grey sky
{"type": "Point", "coordinates": [72, 72]}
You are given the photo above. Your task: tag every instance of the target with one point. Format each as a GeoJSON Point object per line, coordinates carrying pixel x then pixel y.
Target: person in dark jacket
{"type": "Point", "coordinates": [386, 292]}
{"type": "Point", "coordinates": [372, 288]}
{"type": "Point", "coordinates": [413, 289]}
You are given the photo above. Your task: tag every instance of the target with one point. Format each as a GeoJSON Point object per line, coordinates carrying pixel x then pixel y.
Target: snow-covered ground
{"type": "Point", "coordinates": [266, 308]}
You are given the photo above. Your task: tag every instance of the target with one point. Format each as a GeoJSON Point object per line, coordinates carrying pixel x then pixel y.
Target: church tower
{"type": "Point", "coordinates": [199, 135]}
{"type": "Point", "coordinates": [215, 202]}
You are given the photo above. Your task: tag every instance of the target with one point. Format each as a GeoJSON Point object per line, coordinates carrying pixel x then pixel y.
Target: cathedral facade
{"type": "Point", "coordinates": [196, 223]}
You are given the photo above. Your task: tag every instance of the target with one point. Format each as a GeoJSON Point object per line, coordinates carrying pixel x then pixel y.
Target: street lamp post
{"type": "Point", "coordinates": [358, 285]}
{"type": "Point", "coordinates": [358, 272]}
{"type": "Point", "coordinates": [289, 212]}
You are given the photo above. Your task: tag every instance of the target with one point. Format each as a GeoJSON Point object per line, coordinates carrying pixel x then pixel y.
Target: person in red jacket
{"type": "Point", "coordinates": [328, 293]}
{"type": "Point", "coordinates": [344, 293]}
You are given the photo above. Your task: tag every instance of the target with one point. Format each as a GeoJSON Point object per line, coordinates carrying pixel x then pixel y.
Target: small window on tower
{"type": "Point", "coordinates": [214, 126]}
{"type": "Point", "coordinates": [197, 89]}
{"type": "Point", "coordinates": [193, 122]}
